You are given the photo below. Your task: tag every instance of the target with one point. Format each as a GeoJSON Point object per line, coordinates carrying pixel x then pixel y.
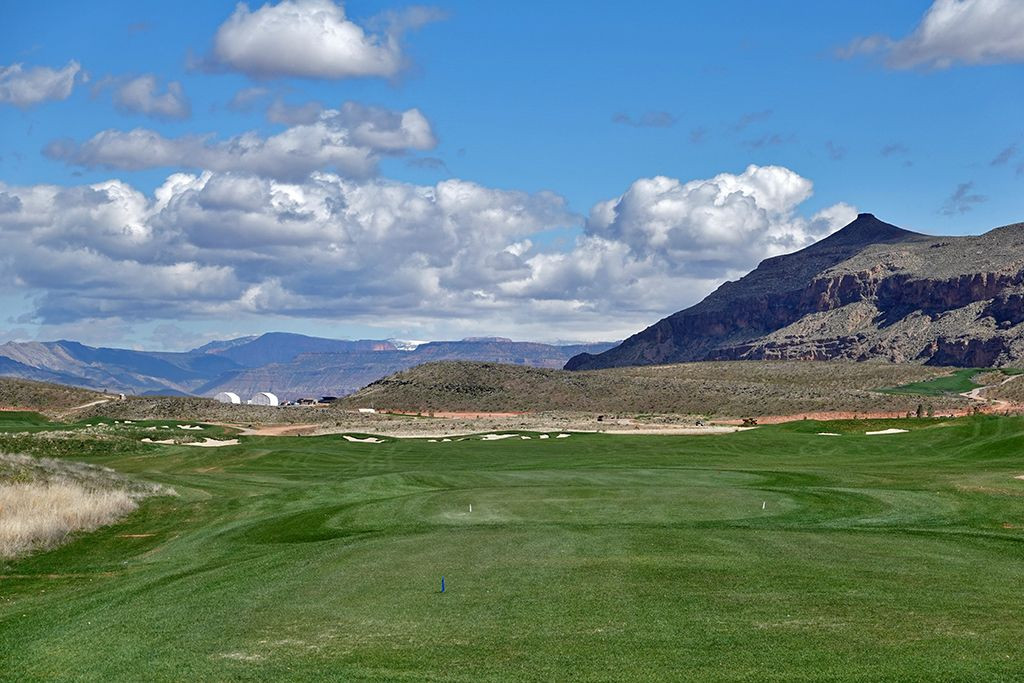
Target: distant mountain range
{"type": "Point", "coordinates": [871, 291]}
{"type": "Point", "coordinates": [290, 365]}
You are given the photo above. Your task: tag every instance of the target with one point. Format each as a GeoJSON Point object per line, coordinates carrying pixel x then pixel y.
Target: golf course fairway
{"type": "Point", "coordinates": [777, 553]}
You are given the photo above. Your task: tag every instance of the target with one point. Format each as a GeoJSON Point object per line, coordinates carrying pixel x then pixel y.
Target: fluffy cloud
{"type": "Point", "coordinates": [141, 96]}
{"type": "Point", "coordinates": [312, 39]}
{"type": "Point", "coordinates": [953, 31]}
{"type": "Point", "coordinates": [222, 244]}
{"type": "Point", "coordinates": [349, 140]}
{"type": "Point", "coordinates": [454, 256]}
{"type": "Point", "coordinates": [663, 243]}
{"type": "Point", "coordinates": [26, 87]}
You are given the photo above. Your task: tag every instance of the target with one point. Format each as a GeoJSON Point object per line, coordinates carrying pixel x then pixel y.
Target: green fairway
{"type": "Point", "coordinates": [958, 382]}
{"type": "Point", "coordinates": [771, 554]}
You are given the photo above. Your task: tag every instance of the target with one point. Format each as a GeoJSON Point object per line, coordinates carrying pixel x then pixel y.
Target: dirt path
{"type": "Point", "coordinates": [976, 394]}
{"type": "Point", "coordinates": [89, 405]}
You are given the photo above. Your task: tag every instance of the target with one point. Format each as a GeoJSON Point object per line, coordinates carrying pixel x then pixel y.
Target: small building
{"type": "Point", "coordinates": [306, 401]}
{"type": "Point", "coordinates": [328, 399]}
{"type": "Point", "coordinates": [264, 398]}
{"type": "Point", "coordinates": [228, 397]}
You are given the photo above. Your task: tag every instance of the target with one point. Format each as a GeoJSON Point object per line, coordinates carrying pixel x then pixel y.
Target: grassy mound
{"type": "Point", "coordinates": [732, 389]}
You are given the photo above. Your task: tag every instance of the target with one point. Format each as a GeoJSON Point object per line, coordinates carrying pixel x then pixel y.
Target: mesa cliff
{"type": "Point", "coordinates": [871, 291]}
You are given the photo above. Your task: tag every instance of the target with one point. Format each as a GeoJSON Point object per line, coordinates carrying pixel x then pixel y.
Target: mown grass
{"type": "Point", "coordinates": [957, 382]}
{"type": "Point", "coordinates": [771, 554]}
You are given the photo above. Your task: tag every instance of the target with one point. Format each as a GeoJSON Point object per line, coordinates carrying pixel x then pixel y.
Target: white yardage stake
{"type": "Point", "coordinates": [764, 504]}
{"type": "Point", "coordinates": [470, 507]}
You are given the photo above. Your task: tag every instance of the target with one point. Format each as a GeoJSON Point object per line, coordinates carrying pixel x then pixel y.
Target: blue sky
{"type": "Point", "coordinates": [527, 115]}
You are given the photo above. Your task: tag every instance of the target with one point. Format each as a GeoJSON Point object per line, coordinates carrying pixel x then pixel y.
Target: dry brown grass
{"type": "Point", "coordinates": [51, 399]}
{"type": "Point", "coordinates": [35, 516]}
{"type": "Point", "coordinates": [44, 501]}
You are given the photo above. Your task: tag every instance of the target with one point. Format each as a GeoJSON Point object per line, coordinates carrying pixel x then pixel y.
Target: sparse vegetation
{"type": "Point", "coordinates": [52, 399]}
{"type": "Point", "coordinates": [725, 389]}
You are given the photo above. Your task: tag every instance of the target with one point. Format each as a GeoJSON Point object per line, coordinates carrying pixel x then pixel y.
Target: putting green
{"type": "Point", "coordinates": [772, 554]}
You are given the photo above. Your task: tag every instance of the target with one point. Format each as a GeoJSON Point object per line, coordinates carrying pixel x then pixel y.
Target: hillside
{"type": "Point", "coordinates": [44, 397]}
{"type": "Point", "coordinates": [339, 374]}
{"type": "Point", "coordinates": [723, 389]}
{"type": "Point", "coordinates": [869, 291]}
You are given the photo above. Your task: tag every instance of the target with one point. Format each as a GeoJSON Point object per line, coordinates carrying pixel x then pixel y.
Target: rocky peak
{"type": "Point", "coordinates": [869, 290]}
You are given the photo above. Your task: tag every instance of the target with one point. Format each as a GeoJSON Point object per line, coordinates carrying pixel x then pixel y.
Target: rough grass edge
{"type": "Point", "coordinates": [45, 501]}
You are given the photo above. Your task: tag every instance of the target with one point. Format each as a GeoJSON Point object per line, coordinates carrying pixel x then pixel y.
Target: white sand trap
{"type": "Point", "coordinates": [496, 437]}
{"type": "Point", "coordinates": [190, 428]}
{"type": "Point", "coordinates": [1019, 476]}
{"type": "Point", "coordinates": [525, 438]}
{"type": "Point", "coordinates": [544, 436]}
{"type": "Point", "coordinates": [164, 427]}
{"type": "Point", "coordinates": [827, 434]}
{"type": "Point", "coordinates": [446, 440]}
{"type": "Point", "coordinates": [128, 422]}
{"type": "Point", "coordinates": [886, 431]}
{"type": "Point", "coordinates": [369, 439]}
{"type": "Point", "coordinates": [431, 440]}
{"type": "Point", "coordinates": [166, 441]}
{"type": "Point", "coordinates": [563, 436]}
{"type": "Point", "coordinates": [213, 443]}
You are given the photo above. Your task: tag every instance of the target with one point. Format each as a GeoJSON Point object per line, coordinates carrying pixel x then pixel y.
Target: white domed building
{"type": "Point", "coordinates": [264, 398]}
{"type": "Point", "coordinates": [228, 397]}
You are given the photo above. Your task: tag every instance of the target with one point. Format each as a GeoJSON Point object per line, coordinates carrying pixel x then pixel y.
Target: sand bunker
{"type": "Point", "coordinates": [370, 439]}
{"type": "Point", "coordinates": [563, 436]}
{"type": "Point", "coordinates": [213, 443]}
{"type": "Point", "coordinates": [164, 441]}
{"type": "Point", "coordinates": [886, 431]}
{"type": "Point", "coordinates": [827, 434]}
{"type": "Point", "coordinates": [189, 427]}
{"type": "Point", "coordinates": [497, 437]}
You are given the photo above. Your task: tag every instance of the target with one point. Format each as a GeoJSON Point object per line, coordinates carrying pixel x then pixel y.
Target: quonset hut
{"type": "Point", "coordinates": [228, 397]}
{"type": "Point", "coordinates": [265, 398]}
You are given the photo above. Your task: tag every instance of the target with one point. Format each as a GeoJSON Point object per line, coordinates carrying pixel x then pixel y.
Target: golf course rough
{"type": "Point", "coordinates": [771, 554]}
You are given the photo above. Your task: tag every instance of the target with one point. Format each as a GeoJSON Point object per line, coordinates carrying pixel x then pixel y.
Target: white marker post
{"type": "Point", "coordinates": [764, 504]}
{"type": "Point", "coordinates": [470, 507]}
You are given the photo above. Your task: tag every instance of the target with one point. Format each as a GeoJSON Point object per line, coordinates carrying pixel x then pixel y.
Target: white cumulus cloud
{"type": "Point", "coordinates": [349, 140]}
{"type": "Point", "coordinates": [450, 258]}
{"type": "Point", "coordinates": [308, 38]}
{"type": "Point", "coordinates": [141, 96]}
{"type": "Point", "coordinates": [24, 87]}
{"type": "Point", "coordinates": [951, 32]}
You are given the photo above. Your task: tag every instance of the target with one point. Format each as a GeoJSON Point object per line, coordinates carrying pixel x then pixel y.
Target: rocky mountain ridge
{"type": "Point", "coordinates": [291, 365]}
{"type": "Point", "coordinates": [869, 291]}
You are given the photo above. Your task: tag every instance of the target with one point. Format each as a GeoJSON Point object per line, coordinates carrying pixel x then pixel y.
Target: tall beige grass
{"type": "Point", "coordinates": [35, 516]}
{"type": "Point", "coordinates": [43, 501]}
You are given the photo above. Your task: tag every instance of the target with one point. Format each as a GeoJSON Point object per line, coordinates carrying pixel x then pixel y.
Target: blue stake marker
{"type": "Point", "coordinates": [442, 584]}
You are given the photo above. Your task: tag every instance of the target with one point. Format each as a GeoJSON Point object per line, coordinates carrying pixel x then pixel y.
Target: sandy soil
{"type": "Point", "coordinates": [212, 443]}
{"type": "Point", "coordinates": [271, 430]}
